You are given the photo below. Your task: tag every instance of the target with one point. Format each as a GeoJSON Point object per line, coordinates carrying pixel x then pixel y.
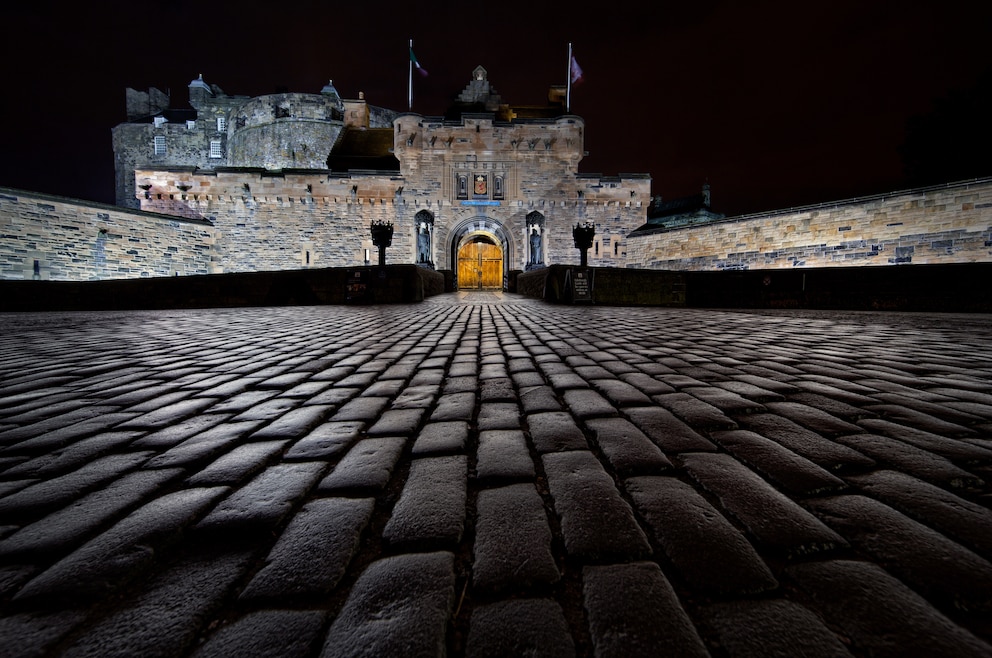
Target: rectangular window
{"type": "Point", "coordinates": [191, 125]}
{"type": "Point", "coordinates": [215, 151]}
{"type": "Point", "coordinates": [159, 121]}
{"type": "Point", "coordinates": [221, 124]}
{"type": "Point", "coordinates": [159, 144]}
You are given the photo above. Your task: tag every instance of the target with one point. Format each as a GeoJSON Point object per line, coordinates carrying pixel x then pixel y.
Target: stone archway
{"type": "Point", "coordinates": [480, 250]}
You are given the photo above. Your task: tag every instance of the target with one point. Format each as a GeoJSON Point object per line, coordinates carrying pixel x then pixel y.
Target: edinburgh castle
{"type": "Point", "coordinates": [490, 189]}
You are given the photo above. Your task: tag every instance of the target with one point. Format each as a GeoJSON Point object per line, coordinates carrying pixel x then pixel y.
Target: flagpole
{"type": "Point", "coordinates": [568, 79]}
{"type": "Point", "coordinates": [409, 95]}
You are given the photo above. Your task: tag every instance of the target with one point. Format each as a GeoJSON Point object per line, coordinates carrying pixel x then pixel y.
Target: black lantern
{"type": "Point", "coordinates": [583, 234]}
{"type": "Point", "coordinates": [382, 237]}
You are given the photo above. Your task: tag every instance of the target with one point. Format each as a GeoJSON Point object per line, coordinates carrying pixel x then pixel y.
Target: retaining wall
{"type": "Point", "coordinates": [938, 225]}
{"type": "Point", "coordinates": [54, 238]}
{"type": "Point", "coordinates": [392, 284]}
{"type": "Point", "coordinates": [606, 285]}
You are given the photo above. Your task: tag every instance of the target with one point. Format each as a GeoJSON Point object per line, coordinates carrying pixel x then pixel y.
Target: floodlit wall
{"type": "Point", "coordinates": [52, 238]}
{"type": "Point", "coordinates": [284, 224]}
{"type": "Point", "coordinates": [935, 225]}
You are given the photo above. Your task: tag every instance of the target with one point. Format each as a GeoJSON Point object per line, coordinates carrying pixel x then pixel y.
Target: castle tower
{"type": "Point", "coordinates": [199, 92]}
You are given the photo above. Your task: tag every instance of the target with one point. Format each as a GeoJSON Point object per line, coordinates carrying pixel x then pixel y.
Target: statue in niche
{"type": "Point", "coordinates": [535, 247]}
{"type": "Point", "coordinates": [423, 244]}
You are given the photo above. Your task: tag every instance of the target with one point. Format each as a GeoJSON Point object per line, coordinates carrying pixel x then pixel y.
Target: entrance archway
{"type": "Point", "coordinates": [480, 264]}
{"type": "Point", "coordinates": [480, 251]}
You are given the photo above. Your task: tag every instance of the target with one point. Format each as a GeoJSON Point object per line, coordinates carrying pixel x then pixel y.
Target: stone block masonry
{"type": "Point", "coordinates": [312, 218]}
{"type": "Point", "coordinates": [287, 223]}
{"type": "Point", "coordinates": [51, 238]}
{"type": "Point", "coordinates": [937, 225]}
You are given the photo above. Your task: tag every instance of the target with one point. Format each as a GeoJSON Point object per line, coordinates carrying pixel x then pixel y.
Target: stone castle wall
{"type": "Point", "coordinates": [299, 221]}
{"type": "Point", "coordinates": [260, 200]}
{"type": "Point", "coordinates": [275, 131]}
{"type": "Point", "coordinates": [74, 240]}
{"type": "Point", "coordinates": [284, 131]}
{"type": "Point", "coordinates": [134, 143]}
{"type": "Point", "coordinates": [269, 221]}
{"type": "Point", "coordinates": [939, 225]}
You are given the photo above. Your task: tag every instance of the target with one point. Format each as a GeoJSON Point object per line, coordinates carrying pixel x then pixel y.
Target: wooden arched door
{"type": "Point", "coordinates": [480, 266]}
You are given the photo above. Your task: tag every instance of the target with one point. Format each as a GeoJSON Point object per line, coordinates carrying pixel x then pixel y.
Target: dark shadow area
{"type": "Point", "coordinates": [391, 284]}
{"type": "Point", "coordinates": [958, 288]}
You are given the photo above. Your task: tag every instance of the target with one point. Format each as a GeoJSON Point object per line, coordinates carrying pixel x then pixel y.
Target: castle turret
{"type": "Point", "coordinates": [199, 92]}
{"type": "Point", "coordinates": [334, 100]}
{"type": "Point", "coordinates": [329, 90]}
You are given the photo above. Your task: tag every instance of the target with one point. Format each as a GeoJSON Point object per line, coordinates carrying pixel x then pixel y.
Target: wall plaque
{"type": "Point", "coordinates": [581, 284]}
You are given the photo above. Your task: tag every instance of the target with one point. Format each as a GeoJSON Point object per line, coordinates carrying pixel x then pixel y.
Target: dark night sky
{"type": "Point", "coordinates": [774, 103]}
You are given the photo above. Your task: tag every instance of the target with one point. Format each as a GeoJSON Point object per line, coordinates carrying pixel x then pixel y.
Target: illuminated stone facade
{"type": "Point", "coordinates": [291, 181]}
{"type": "Point", "coordinates": [489, 173]}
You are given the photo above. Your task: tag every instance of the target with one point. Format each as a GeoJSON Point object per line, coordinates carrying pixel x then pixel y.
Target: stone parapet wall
{"type": "Point", "coordinates": [937, 225]}
{"type": "Point", "coordinates": [606, 286]}
{"type": "Point", "coordinates": [78, 241]}
{"type": "Point", "coordinates": [393, 284]}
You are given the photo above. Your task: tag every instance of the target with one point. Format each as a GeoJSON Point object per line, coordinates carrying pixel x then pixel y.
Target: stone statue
{"type": "Point", "coordinates": [423, 244]}
{"type": "Point", "coordinates": [535, 247]}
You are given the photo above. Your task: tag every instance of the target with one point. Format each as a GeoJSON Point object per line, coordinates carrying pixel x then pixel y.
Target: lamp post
{"type": "Point", "coordinates": [583, 234]}
{"type": "Point", "coordinates": [382, 237]}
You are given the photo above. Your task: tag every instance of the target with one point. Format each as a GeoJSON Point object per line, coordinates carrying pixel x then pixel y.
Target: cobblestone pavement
{"type": "Point", "coordinates": [487, 475]}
